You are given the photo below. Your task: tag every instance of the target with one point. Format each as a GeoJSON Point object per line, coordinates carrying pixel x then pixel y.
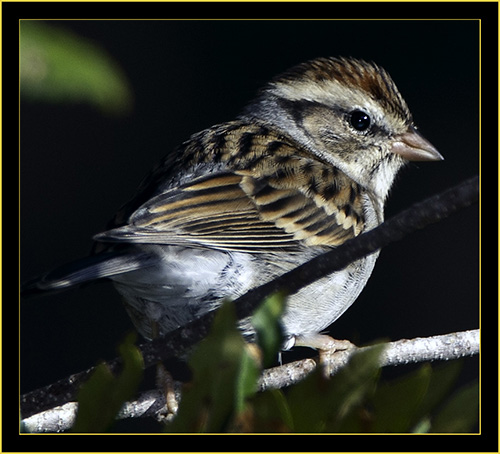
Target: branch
{"type": "Point", "coordinates": [404, 351]}
{"type": "Point", "coordinates": [152, 403]}
{"type": "Point", "coordinates": [181, 340]}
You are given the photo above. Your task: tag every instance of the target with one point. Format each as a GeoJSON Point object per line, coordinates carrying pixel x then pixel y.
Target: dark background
{"type": "Point", "coordinates": [77, 167]}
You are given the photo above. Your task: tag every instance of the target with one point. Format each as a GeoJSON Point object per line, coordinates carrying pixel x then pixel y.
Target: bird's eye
{"type": "Point", "coordinates": [359, 120]}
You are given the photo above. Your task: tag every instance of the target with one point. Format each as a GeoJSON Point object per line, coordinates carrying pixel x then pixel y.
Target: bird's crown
{"type": "Point", "coordinates": [334, 78]}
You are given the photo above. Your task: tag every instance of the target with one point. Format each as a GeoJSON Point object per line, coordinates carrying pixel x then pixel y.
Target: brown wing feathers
{"type": "Point", "coordinates": [278, 198]}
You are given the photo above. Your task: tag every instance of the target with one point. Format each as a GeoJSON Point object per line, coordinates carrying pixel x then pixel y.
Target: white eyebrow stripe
{"type": "Point", "coordinates": [330, 92]}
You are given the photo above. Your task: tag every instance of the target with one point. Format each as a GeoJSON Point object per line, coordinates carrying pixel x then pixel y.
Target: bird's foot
{"type": "Point", "coordinates": [327, 347]}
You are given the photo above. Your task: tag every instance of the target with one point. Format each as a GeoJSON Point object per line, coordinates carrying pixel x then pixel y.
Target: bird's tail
{"type": "Point", "coordinates": [88, 269]}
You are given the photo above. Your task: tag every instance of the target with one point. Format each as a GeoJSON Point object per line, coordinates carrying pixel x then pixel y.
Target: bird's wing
{"type": "Point", "coordinates": [250, 210]}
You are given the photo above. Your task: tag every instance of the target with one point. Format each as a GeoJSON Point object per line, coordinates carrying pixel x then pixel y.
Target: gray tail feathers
{"type": "Point", "coordinates": [88, 269]}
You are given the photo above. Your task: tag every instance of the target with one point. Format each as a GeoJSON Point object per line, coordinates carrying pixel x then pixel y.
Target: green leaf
{"type": "Point", "coordinates": [102, 396]}
{"type": "Point", "coordinates": [461, 413]}
{"type": "Point", "coordinates": [442, 379]}
{"type": "Point", "coordinates": [95, 411]}
{"type": "Point", "coordinates": [271, 412]}
{"type": "Point", "coordinates": [318, 404]}
{"type": "Point", "coordinates": [132, 373]}
{"type": "Point", "coordinates": [246, 379]}
{"type": "Point", "coordinates": [423, 426]}
{"type": "Point", "coordinates": [224, 377]}
{"type": "Point", "coordinates": [267, 325]}
{"type": "Point", "coordinates": [225, 371]}
{"type": "Point", "coordinates": [395, 403]}
{"type": "Point", "coordinates": [59, 66]}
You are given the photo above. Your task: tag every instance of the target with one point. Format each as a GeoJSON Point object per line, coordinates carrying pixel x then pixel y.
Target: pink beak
{"type": "Point", "coordinates": [413, 147]}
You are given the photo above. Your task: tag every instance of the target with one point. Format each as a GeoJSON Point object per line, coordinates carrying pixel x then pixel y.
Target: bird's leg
{"type": "Point", "coordinates": [165, 382]}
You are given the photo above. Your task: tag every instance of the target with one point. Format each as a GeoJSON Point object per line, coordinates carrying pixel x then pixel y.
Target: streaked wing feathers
{"type": "Point", "coordinates": [277, 197]}
{"type": "Point", "coordinates": [237, 212]}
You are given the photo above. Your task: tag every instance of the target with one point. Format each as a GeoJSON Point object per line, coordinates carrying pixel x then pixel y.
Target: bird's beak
{"type": "Point", "coordinates": [413, 147]}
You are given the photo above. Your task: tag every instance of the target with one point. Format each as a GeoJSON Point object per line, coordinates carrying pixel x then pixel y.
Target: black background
{"type": "Point", "coordinates": [78, 166]}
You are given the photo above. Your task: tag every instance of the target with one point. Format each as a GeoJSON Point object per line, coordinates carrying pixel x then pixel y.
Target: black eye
{"type": "Point", "coordinates": [359, 120]}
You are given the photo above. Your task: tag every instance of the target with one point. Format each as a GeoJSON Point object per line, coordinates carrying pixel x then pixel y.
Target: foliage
{"type": "Point", "coordinates": [223, 394]}
{"type": "Point", "coordinates": [59, 66]}
{"type": "Point", "coordinates": [102, 396]}
{"type": "Point", "coordinates": [224, 376]}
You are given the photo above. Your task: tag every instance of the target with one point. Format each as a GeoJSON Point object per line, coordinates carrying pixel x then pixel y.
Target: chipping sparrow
{"type": "Point", "coordinates": [308, 165]}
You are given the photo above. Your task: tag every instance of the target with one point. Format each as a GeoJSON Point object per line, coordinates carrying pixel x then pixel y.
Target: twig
{"type": "Point", "coordinates": [181, 340]}
{"type": "Point", "coordinates": [404, 351]}
{"type": "Point", "coordinates": [151, 403]}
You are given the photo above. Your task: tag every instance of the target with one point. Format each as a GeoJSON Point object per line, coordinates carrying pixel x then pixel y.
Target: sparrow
{"type": "Point", "coordinates": [307, 166]}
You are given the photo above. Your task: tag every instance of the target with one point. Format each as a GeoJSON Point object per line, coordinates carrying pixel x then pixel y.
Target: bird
{"type": "Point", "coordinates": [307, 165]}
